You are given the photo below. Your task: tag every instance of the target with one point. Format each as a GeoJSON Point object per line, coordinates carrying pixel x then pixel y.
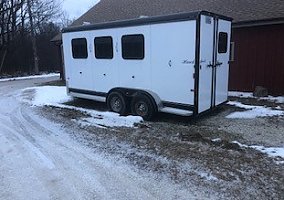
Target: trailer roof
{"type": "Point", "coordinates": [144, 21]}
{"type": "Point", "coordinates": [242, 11]}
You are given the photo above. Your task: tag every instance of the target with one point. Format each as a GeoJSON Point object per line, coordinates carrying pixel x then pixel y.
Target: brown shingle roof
{"type": "Point", "coordinates": [239, 10]}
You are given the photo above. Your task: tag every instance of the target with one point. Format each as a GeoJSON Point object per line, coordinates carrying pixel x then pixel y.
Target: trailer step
{"type": "Point", "coordinates": [176, 111]}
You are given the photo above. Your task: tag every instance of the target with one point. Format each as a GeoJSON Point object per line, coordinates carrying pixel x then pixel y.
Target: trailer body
{"type": "Point", "coordinates": [179, 62]}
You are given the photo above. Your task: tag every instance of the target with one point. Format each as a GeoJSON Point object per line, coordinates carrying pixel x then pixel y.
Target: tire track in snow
{"type": "Point", "coordinates": [103, 177]}
{"type": "Point", "coordinates": [111, 183]}
{"type": "Point", "coordinates": [44, 160]}
{"type": "Point", "coordinates": [40, 135]}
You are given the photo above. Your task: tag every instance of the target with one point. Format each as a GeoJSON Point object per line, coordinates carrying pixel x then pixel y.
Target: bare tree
{"type": "Point", "coordinates": [40, 12]}
{"type": "Point", "coordinates": [33, 35]}
{"type": "Point", "coordinates": [65, 20]}
{"type": "Point", "coordinates": [9, 10]}
{"type": "Point", "coordinates": [21, 24]}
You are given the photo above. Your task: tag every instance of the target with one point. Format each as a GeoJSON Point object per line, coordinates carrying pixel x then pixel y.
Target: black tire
{"type": "Point", "coordinates": [116, 102]}
{"type": "Point", "coordinates": [141, 105]}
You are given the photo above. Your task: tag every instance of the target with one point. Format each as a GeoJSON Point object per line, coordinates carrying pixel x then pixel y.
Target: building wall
{"type": "Point", "coordinates": [259, 59]}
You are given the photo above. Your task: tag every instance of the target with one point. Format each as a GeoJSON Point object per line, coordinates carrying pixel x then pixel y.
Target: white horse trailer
{"type": "Point", "coordinates": [175, 64]}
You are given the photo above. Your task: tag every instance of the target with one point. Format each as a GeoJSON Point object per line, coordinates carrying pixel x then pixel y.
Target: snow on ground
{"type": "Point", "coordinates": [241, 94]}
{"type": "Point", "coordinates": [38, 160]}
{"type": "Point", "coordinates": [109, 119]}
{"type": "Point", "coordinates": [49, 95]}
{"type": "Point", "coordinates": [207, 176]}
{"type": "Point", "coordinates": [279, 99]}
{"type": "Point", "coordinates": [57, 95]}
{"type": "Point", "coordinates": [30, 77]}
{"type": "Point", "coordinates": [271, 151]}
{"type": "Point", "coordinates": [252, 111]}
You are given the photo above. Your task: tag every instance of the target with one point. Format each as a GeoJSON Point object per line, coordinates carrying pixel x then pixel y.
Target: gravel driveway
{"type": "Point", "coordinates": [197, 154]}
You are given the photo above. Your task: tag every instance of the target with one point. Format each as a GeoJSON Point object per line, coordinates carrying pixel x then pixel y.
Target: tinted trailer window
{"type": "Point", "coordinates": [103, 47]}
{"type": "Point", "coordinates": [133, 47]}
{"type": "Point", "coordinates": [79, 48]}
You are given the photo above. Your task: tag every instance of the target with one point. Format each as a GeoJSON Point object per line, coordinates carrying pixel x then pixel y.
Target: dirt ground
{"type": "Point", "coordinates": [184, 149]}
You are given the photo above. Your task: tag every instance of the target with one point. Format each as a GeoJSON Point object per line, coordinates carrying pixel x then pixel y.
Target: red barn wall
{"type": "Point", "coordinates": [259, 59]}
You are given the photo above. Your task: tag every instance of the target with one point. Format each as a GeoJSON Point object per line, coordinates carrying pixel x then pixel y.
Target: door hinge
{"type": "Point", "coordinates": [116, 47]}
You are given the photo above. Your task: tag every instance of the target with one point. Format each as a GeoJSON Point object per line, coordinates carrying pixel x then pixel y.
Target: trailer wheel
{"type": "Point", "coordinates": [141, 105]}
{"type": "Point", "coordinates": [117, 103]}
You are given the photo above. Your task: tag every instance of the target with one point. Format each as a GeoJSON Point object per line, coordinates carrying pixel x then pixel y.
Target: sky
{"type": "Point", "coordinates": [75, 8]}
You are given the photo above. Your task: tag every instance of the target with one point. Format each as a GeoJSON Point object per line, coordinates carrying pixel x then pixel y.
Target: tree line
{"type": "Point", "coordinates": [26, 28]}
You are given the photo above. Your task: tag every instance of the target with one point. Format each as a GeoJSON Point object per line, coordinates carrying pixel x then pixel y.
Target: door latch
{"type": "Point", "coordinates": [210, 65]}
{"type": "Point", "coordinates": [219, 63]}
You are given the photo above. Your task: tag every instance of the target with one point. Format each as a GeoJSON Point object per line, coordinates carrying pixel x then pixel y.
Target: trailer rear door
{"type": "Point", "coordinates": [215, 36]}
{"type": "Point", "coordinates": [222, 58]}
{"type": "Point", "coordinates": [206, 61]}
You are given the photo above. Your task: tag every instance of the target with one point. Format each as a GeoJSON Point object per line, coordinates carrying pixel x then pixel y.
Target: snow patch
{"type": "Point", "coordinates": [57, 95]}
{"type": "Point", "coordinates": [270, 151]}
{"type": "Point", "coordinates": [241, 94]}
{"type": "Point", "coordinates": [216, 140]}
{"type": "Point", "coordinates": [279, 99]}
{"type": "Point", "coordinates": [208, 176]}
{"type": "Point", "coordinates": [49, 95]}
{"type": "Point", "coordinates": [109, 119]}
{"type": "Point", "coordinates": [252, 111]}
{"type": "Point", "coordinates": [240, 105]}
{"type": "Point", "coordinates": [30, 77]}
